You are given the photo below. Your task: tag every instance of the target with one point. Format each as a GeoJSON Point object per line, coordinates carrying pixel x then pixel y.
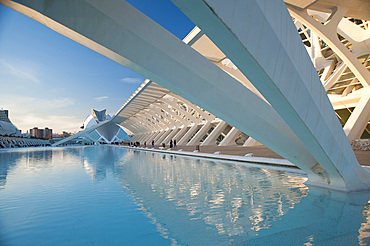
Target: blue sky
{"type": "Point", "coordinates": [48, 80]}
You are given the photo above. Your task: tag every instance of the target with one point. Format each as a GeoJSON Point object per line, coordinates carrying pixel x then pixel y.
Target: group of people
{"type": "Point", "coordinates": [152, 144]}
{"type": "Point", "coordinates": [135, 144]}
{"type": "Point", "coordinates": [173, 144]}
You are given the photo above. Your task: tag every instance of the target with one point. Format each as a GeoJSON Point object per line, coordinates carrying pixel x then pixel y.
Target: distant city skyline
{"type": "Point", "coordinates": [48, 80]}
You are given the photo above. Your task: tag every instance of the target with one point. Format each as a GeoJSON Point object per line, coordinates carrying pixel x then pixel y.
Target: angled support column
{"type": "Point", "coordinates": [211, 139]}
{"type": "Point", "coordinates": [141, 122]}
{"type": "Point", "coordinates": [200, 134]}
{"type": "Point", "coordinates": [138, 136]}
{"type": "Point", "coordinates": [189, 118]}
{"type": "Point", "coordinates": [150, 137]}
{"type": "Point", "coordinates": [135, 137]}
{"type": "Point", "coordinates": [162, 127]}
{"type": "Point", "coordinates": [172, 122]}
{"type": "Point", "coordinates": [172, 135]}
{"type": "Point", "coordinates": [142, 136]}
{"type": "Point", "coordinates": [188, 135]}
{"type": "Point", "coordinates": [251, 142]}
{"type": "Point", "coordinates": [135, 126]}
{"type": "Point", "coordinates": [165, 135]}
{"type": "Point", "coordinates": [153, 130]}
{"type": "Point", "coordinates": [158, 136]}
{"type": "Point", "coordinates": [328, 70]}
{"type": "Point", "coordinates": [166, 138]}
{"type": "Point", "coordinates": [359, 118]}
{"type": "Point", "coordinates": [230, 137]}
{"type": "Point", "coordinates": [334, 77]}
{"type": "Point", "coordinates": [155, 137]}
{"type": "Point", "coordinates": [141, 139]}
{"type": "Point", "coordinates": [181, 133]}
{"type": "Point", "coordinates": [141, 130]}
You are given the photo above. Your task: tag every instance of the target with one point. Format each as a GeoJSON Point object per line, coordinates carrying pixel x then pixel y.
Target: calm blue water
{"type": "Point", "coordinates": [112, 196]}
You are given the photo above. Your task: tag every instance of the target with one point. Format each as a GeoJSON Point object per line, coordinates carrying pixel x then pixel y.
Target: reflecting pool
{"type": "Point", "coordinates": [106, 195]}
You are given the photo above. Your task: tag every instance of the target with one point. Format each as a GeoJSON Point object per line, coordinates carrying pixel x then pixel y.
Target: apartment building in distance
{"type": "Point", "coordinates": [41, 133]}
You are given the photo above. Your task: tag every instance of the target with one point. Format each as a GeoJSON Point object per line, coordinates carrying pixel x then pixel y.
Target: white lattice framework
{"type": "Point", "coordinates": [339, 47]}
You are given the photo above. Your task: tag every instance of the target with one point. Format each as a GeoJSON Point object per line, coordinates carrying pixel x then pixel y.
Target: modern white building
{"type": "Point", "coordinates": [98, 129]}
{"type": "Point", "coordinates": [6, 126]}
{"type": "Point", "coordinates": [264, 68]}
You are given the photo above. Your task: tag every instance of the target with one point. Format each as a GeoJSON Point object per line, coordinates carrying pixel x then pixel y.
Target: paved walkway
{"type": "Point", "coordinates": [363, 157]}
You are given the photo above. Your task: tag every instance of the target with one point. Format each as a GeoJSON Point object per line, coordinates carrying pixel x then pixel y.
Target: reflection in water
{"type": "Point", "coordinates": [33, 159]}
{"type": "Point", "coordinates": [199, 202]}
{"type": "Point", "coordinates": [8, 161]}
{"type": "Point", "coordinates": [364, 237]}
{"type": "Point", "coordinates": [206, 201]}
{"type": "Point", "coordinates": [227, 199]}
{"type": "Point", "coordinates": [194, 201]}
{"type": "Point", "coordinates": [97, 161]}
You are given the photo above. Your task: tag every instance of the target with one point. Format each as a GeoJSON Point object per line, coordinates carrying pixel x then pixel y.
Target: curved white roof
{"type": "Point", "coordinates": [89, 122]}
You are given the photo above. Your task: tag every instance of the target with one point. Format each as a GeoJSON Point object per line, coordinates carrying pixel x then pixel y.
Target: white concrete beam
{"type": "Point", "coordinates": [212, 137]}
{"type": "Point", "coordinates": [150, 137]}
{"type": "Point", "coordinates": [359, 118]}
{"type": "Point", "coordinates": [200, 134]}
{"type": "Point", "coordinates": [334, 77]}
{"type": "Point", "coordinates": [188, 135]}
{"type": "Point", "coordinates": [181, 134]}
{"type": "Point", "coordinates": [250, 142]}
{"type": "Point", "coordinates": [159, 136]}
{"type": "Point", "coordinates": [172, 135]}
{"type": "Point", "coordinates": [165, 135]}
{"type": "Point", "coordinates": [230, 137]}
{"type": "Point", "coordinates": [155, 136]}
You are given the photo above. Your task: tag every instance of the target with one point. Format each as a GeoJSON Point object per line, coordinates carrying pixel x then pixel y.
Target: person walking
{"type": "Point", "coordinates": [174, 143]}
{"type": "Point", "coordinates": [171, 144]}
{"type": "Point", "coordinates": [153, 144]}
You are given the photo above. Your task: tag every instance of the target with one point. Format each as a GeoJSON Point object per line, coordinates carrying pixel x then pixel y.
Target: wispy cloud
{"type": "Point", "coordinates": [56, 103]}
{"type": "Point", "coordinates": [99, 99]}
{"type": "Point", "coordinates": [25, 104]}
{"type": "Point", "coordinates": [132, 80]}
{"type": "Point", "coordinates": [20, 73]}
